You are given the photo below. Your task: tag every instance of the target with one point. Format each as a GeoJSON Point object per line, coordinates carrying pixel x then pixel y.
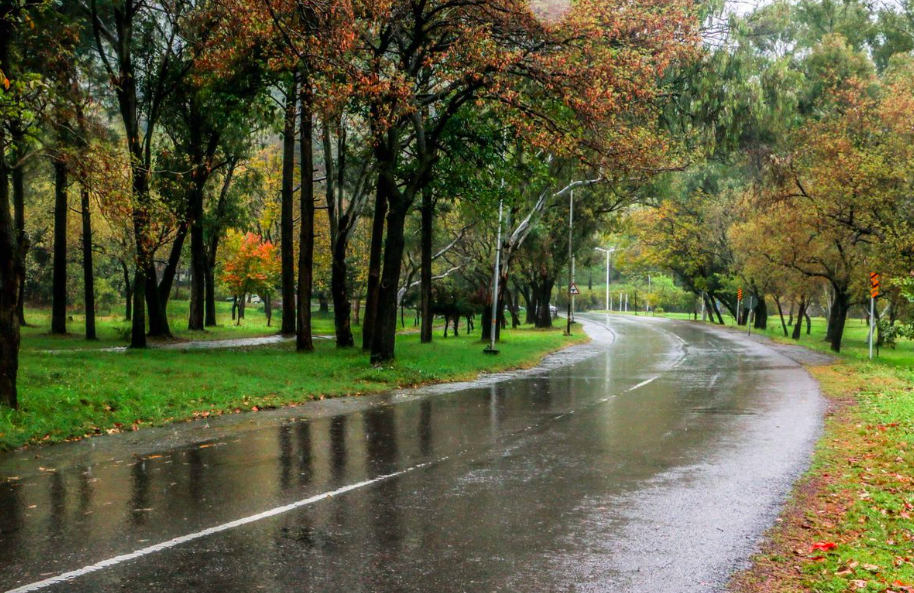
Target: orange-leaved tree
{"type": "Point", "coordinates": [252, 266]}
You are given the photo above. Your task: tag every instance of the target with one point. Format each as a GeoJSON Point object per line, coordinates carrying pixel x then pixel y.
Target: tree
{"type": "Point", "coordinates": [252, 266]}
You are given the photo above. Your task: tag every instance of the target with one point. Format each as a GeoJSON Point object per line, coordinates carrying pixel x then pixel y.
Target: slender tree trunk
{"type": "Point", "coordinates": [210, 320]}
{"type": "Point", "coordinates": [384, 336]}
{"type": "Point", "coordinates": [761, 314]}
{"type": "Point", "coordinates": [425, 277]}
{"type": "Point", "coordinates": [374, 266]}
{"type": "Point", "coordinates": [171, 266]}
{"type": "Point", "coordinates": [198, 268]}
{"type": "Point", "coordinates": [304, 342]}
{"type": "Point", "coordinates": [801, 312]}
{"type": "Point", "coordinates": [777, 301]}
{"type": "Point", "coordinates": [339, 291]}
{"type": "Point", "coordinates": [838, 318]}
{"type": "Point", "coordinates": [128, 290]}
{"type": "Point", "coordinates": [59, 292]}
{"type": "Point", "coordinates": [543, 313]}
{"type": "Point", "coordinates": [10, 262]}
{"type": "Point", "coordinates": [287, 224]}
{"type": "Point", "coordinates": [808, 321]}
{"type": "Point", "coordinates": [158, 321]}
{"type": "Point", "coordinates": [512, 306]}
{"type": "Point", "coordinates": [18, 174]}
{"type": "Point", "coordinates": [88, 273]}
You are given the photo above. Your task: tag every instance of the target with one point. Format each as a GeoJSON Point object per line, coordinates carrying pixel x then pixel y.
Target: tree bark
{"type": "Point", "coordinates": [10, 262]}
{"type": "Point", "coordinates": [838, 318]}
{"type": "Point", "coordinates": [342, 308]}
{"type": "Point", "coordinates": [198, 268]}
{"type": "Point", "coordinates": [801, 312]}
{"type": "Point", "coordinates": [128, 289]}
{"type": "Point", "coordinates": [287, 224]}
{"type": "Point", "coordinates": [59, 290]}
{"type": "Point", "coordinates": [88, 273]}
{"type": "Point", "coordinates": [543, 290]}
{"type": "Point", "coordinates": [777, 301]}
{"type": "Point", "coordinates": [383, 341]}
{"type": "Point", "coordinates": [304, 341]}
{"type": "Point", "coordinates": [374, 266]}
{"type": "Point", "coordinates": [761, 314]}
{"type": "Point", "coordinates": [210, 320]}
{"type": "Point", "coordinates": [171, 266]}
{"type": "Point", "coordinates": [18, 174]}
{"type": "Point", "coordinates": [425, 276]}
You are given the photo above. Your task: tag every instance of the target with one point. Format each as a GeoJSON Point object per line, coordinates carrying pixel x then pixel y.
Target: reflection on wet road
{"type": "Point", "coordinates": [653, 464]}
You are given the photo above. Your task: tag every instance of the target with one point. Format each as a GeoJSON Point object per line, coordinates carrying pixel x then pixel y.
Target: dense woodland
{"type": "Point", "coordinates": [365, 155]}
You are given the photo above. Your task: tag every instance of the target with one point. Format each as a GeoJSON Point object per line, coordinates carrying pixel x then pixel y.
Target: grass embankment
{"type": "Point", "coordinates": [78, 393]}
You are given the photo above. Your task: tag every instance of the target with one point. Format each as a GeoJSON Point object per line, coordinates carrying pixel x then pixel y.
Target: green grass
{"type": "Point", "coordinates": [77, 393]}
{"type": "Point", "coordinates": [114, 330]}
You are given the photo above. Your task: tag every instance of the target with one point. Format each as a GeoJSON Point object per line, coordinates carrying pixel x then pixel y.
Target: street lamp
{"type": "Point", "coordinates": [608, 253]}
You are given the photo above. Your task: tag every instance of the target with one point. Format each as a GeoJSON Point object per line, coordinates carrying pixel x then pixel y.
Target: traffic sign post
{"type": "Point", "coordinates": [875, 282]}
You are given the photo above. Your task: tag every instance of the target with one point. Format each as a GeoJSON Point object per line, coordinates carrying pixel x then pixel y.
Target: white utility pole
{"type": "Point", "coordinates": [495, 282]}
{"type": "Point", "coordinates": [570, 262]}
{"type": "Point", "coordinates": [608, 252]}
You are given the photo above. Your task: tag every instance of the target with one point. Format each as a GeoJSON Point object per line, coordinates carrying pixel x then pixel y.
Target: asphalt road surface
{"type": "Point", "coordinates": [652, 459]}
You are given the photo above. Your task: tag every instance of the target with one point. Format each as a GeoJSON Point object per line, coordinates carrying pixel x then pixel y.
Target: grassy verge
{"type": "Point", "coordinates": [113, 330]}
{"type": "Point", "coordinates": [850, 523]}
{"type": "Point", "coordinates": [80, 393]}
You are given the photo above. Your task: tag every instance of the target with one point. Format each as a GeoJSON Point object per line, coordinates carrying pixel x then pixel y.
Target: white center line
{"type": "Point", "coordinates": [69, 576]}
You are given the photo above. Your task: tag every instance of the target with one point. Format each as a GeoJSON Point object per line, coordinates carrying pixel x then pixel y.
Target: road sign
{"type": "Point", "coordinates": [874, 284]}
{"type": "Point", "coordinates": [739, 294]}
{"type": "Point", "coordinates": [574, 290]}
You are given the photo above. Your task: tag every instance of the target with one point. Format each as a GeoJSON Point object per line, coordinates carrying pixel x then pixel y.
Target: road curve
{"type": "Point", "coordinates": [652, 461]}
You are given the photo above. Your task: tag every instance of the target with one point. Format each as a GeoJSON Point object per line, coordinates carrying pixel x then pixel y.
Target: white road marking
{"type": "Point", "coordinates": [69, 576]}
{"type": "Point", "coordinates": [641, 384]}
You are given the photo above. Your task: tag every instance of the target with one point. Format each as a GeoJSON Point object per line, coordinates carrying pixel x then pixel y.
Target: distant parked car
{"type": "Point", "coordinates": [256, 300]}
{"type": "Point", "coordinates": [554, 311]}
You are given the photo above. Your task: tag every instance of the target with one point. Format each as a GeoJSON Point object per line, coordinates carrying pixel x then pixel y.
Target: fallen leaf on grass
{"type": "Point", "coordinates": [858, 584]}
{"type": "Point", "coordinates": [824, 546]}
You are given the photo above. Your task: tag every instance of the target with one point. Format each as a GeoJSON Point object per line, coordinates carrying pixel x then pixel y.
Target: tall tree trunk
{"type": "Point", "coordinates": [374, 266]}
{"type": "Point", "coordinates": [18, 174]}
{"type": "Point", "coordinates": [777, 301]}
{"type": "Point", "coordinates": [88, 273]}
{"type": "Point", "coordinates": [512, 307]}
{"type": "Point", "coordinates": [10, 261]}
{"type": "Point", "coordinates": [342, 308]}
{"type": "Point", "coordinates": [801, 312]}
{"type": "Point", "coordinates": [59, 290]}
{"type": "Point", "coordinates": [761, 314]}
{"type": "Point", "coordinates": [304, 341]}
{"type": "Point", "coordinates": [543, 296]}
{"type": "Point", "coordinates": [287, 243]}
{"type": "Point", "coordinates": [158, 320]}
{"type": "Point", "coordinates": [210, 320]}
{"type": "Point", "coordinates": [425, 276]}
{"type": "Point", "coordinates": [128, 289]}
{"type": "Point", "coordinates": [198, 267]}
{"type": "Point", "coordinates": [838, 317]}
{"type": "Point", "coordinates": [383, 341]}
{"type": "Point", "coordinates": [171, 266]}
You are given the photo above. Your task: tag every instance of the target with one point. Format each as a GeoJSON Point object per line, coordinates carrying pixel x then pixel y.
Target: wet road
{"type": "Point", "coordinates": [651, 459]}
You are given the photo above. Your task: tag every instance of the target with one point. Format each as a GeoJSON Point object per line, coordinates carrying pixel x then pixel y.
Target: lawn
{"type": "Point", "coordinates": [76, 393]}
{"type": "Point", "coordinates": [114, 330]}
